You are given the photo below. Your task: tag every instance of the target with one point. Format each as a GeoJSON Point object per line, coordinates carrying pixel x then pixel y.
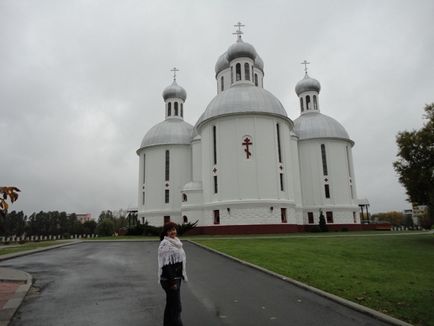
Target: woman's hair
{"type": "Point", "coordinates": [166, 228]}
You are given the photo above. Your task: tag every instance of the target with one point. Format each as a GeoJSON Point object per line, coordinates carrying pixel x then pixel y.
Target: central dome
{"type": "Point", "coordinates": [241, 49]}
{"type": "Point", "coordinates": [307, 84]}
{"type": "Point", "coordinates": [240, 99]}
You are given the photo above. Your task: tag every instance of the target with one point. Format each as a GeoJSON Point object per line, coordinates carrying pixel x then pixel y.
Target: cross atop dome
{"type": "Point", "coordinates": [239, 32]}
{"type": "Point", "coordinates": [305, 63]}
{"type": "Point", "coordinates": [174, 69]}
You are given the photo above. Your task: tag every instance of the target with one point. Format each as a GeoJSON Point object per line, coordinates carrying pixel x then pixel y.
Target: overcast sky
{"type": "Point", "coordinates": [81, 84]}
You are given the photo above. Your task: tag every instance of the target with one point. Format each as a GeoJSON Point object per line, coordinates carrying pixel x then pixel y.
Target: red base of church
{"type": "Point", "coordinates": [282, 228]}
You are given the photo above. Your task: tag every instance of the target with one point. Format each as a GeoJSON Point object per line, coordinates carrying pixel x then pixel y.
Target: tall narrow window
{"type": "Point", "coordinates": [184, 219]}
{"type": "Point", "coordinates": [308, 102]}
{"type": "Point", "coordinates": [324, 160]}
{"type": "Point", "coordinates": [182, 110]}
{"type": "Point", "coordinates": [315, 103]}
{"type": "Point", "coordinates": [232, 75]}
{"type": "Point", "coordinates": [283, 215]}
{"type": "Point", "coordinates": [169, 109]}
{"type": "Point", "coordinates": [348, 161]}
{"type": "Point", "coordinates": [327, 191]}
{"type": "Point", "coordinates": [247, 71]}
{"type": "Point", "coordinates": [166, 219]}
{"type": "Point", "coordinates": [166, 196]}
{"type": "Point", "coordinates": [216, 189]}
{"type": "Point", "coordinates": [143, 198]}
{"type": "Point", "coordinates": [329, 217]}
{"type": "Point", "coordinates": [222, 84]}
{"type": "Point", "coordinates": [310, 217]}
{"type": "Point", "coordinates": [301, 104]}
{"type": "Point", "coordinates": [144, 168]}
{"type": "Point", "coordinates": [167, 166]}
{"type": "Point", "coordinates": [281, 182]}
{"type": "Point", "coordinates": [216, 216]}
{"type": "Point", "coordinates": [214, 143]}
{"type": "Point", "coordinates": [176, 108]}
{"type": "Point", "coordinates": [238, 72]}
{"type": "Point", "coordinates": [256, 79]}
{"type": "Point", "coordinates": [279, 152]}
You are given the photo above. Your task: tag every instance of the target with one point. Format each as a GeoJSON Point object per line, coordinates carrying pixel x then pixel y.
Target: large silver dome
{"type": "Point", "coordinates": [313, 125]}
{"type": "Point", "coordinates": [174, 91]}
{"type": "Point", "coordinates": [307, 84]}
{"type": "Point", "coordinates": [242, 98]}
{"type": "Point", "coordinates": [170, 131]}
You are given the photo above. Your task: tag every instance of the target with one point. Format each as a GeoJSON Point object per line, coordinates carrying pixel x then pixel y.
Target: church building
{"type": "Point", "coordinates": [245, 166]}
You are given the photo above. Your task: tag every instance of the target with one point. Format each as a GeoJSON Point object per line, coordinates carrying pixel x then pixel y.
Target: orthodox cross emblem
{"type": "Point", "coordinates": [174, 69]}
{"type": "Point", "coordinates": [238, 33]}
{"type": "Point", "coordinates": [246, 143]}
{"type": "Point", "coordinates": [305, 63]}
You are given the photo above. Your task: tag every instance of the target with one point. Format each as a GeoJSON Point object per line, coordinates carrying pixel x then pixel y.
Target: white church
{"type": "Point", "coordinates": [245, 166]}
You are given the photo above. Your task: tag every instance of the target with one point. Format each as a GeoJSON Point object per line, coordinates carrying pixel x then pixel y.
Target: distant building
{"type": "Point", "coordinates": [246, 166]}
{"type": "Point", "coordinates": [418, 212]}
{"type": "Point", "coordinates": [84, 217]}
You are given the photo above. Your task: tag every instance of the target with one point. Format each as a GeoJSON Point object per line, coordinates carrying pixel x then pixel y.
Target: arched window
{"type": "Point", "coordinates": [301, 104]}
{"type": "Point", "coordinates": [176, 108]}
{"type": "Point", "coordinates": [315, 103]}
{"type": "Point", "coordinates": [247, 71]}
{"type": "Point", "coordinates": [256, 79]}
{"type": "Point", "coordinates": [238, 72]}
{"type": "Point", "coordinates": [182, 110]}
{"type": "Point", "coordinates": [308, 102]}
{"type": "Point", "coordinates": [167, 166]}
{"type": "Point", "coordinates": [185, 219]}
{"type": "Point", "coordinates": [169, 109]}
{"type": "Point", "coordinates": [184, 197]}
{"type": "Point", "coordinates": [232, 75]}
{"type": "Point", "coordinates": [222, 84]}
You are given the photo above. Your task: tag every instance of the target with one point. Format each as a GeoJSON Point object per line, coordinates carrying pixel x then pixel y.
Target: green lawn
{"type": "Point", "coordinates": [27, 246]}
{"type": "Point", "coordinates": [393, 274]}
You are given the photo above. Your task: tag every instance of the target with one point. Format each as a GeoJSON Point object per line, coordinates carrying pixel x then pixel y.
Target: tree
{"type": "Point", "coordinates": [322, 222]}
{"type": "Point", "coordinates": [394, 218]}
{"type": "Point", "coordinates": [415, 164]}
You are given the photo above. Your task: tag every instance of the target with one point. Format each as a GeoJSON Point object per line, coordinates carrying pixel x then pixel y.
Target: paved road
{"type": "Point", "coordinates": [114, 283]}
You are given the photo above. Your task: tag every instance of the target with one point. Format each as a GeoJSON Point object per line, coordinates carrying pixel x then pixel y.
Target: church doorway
{"type": "Point", "coordinates": [283, 215]}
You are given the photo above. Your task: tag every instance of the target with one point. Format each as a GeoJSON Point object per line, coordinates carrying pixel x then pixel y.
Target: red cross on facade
{"type": "Point", "coordinates": [247, 142]}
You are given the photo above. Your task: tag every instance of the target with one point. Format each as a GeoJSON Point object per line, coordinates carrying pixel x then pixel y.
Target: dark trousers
{"type": "Point", "coordinates": [172, 312]}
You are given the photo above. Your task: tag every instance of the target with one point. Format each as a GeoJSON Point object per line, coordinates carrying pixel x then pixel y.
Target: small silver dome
{"type": "Point", "coordinates": [222, 63]}
{"type": "Point", "coordinates": [259, 63]}
{"type": "Point", "coordinates": [241, 49]}
{"type": "Point", "coordinates": [242, 98]}
{"type": "Point", "coordinates": [317, 125]}
{"type": "Point", "coordinates": [174, 91]}
{"type": "Point", "coordinates": [307, 84]}
{"type": "Point", "coordinates": [172, 131]}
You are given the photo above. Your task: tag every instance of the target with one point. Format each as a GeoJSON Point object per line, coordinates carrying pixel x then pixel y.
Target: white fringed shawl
{"type": "Point", "coordinates": [170, 251]}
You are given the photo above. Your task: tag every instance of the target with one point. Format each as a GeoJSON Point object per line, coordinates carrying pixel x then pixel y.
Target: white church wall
{"type": "Point", "coordinates": [240, 177]}
{"type": "Point", "coordinates": [196, 149]}
{"type": "Point", "coordinates": [155, 207]}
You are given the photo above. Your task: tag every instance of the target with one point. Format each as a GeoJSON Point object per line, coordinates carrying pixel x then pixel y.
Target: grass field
{"type": "Point", "coordinates": [393, 274]}
{"type": "Point", "coordinates": [26, 246]}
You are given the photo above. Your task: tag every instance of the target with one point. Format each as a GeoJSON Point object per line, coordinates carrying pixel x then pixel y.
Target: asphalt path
{"type": "Point", "coordinates": [115, 283]}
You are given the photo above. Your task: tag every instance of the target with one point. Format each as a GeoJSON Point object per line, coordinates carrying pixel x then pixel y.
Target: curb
{"type": "Point", "coordinates": [33, 251]}
{"type": "Point", "coordinates": [12, 305]}
{"type": "Point", "coordinates": [350, 304]}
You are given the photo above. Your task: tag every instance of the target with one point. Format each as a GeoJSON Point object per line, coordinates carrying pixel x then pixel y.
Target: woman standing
{"type": "Point", "coordinates": [171, 265]}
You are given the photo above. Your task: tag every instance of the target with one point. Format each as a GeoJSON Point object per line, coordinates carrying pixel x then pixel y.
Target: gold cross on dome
{"type": "Point", "coordinates": [239, 31]}
{"type": "Point", "coordinates": [305, 63]}
{"type": "Point", "coordinates": [174, 69]}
